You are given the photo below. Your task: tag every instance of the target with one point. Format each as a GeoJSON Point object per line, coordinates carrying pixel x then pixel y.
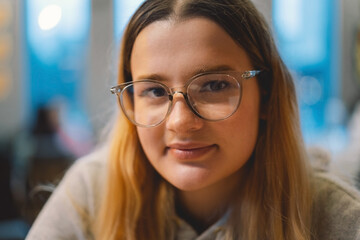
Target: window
{"type": "Point", "coordinates": [56, 66]}
{"type": "Point", "coordinates": [308, 37]}
{"type": "Point", "coordinates": [57, 34]}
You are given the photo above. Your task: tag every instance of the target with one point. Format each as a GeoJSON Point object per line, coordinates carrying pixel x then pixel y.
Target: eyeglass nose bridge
{"type": "Point", "coordinates": [180, 90]}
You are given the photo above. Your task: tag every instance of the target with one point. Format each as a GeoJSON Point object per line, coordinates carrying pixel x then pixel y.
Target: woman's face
{"type": "Point", "coordinates": [189, 152]}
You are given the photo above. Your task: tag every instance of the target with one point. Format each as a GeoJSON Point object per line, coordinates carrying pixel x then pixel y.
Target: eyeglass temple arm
{"type": "Point", "coordinates": [250, 74]}
{"type": "Point", "coordinates": [115, 90]}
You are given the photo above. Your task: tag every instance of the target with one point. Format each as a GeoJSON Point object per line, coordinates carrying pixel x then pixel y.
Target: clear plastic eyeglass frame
{"type": "Point", "coordinates": [237, 77]}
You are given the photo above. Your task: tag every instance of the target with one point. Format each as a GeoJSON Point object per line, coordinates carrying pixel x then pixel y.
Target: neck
{"type": "Point", "coordinates": [204, 207]}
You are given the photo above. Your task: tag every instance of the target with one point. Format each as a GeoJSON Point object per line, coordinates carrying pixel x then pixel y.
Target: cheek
{"type": "Point", "coordinates": [243, 128]}
{"type": "Point", "coordinates": [151, 141]}
{"type": "Point", "coordinates": [241, 134]}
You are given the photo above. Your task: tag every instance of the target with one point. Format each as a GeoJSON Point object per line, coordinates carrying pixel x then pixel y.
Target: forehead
{"type": "Point", "coordinates": [187, 45]}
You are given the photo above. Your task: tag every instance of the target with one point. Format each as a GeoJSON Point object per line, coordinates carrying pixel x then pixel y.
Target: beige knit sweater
{"type": "Point", "coordinates": [70, 211]}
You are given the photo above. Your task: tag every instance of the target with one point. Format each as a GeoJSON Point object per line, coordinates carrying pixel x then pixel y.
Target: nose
{"type": "Point", "coordinates": [181, 117]}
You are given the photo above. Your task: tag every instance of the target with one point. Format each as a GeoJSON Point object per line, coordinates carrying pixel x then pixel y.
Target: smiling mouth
{"type": "Point", "coordinates": [189, 153]}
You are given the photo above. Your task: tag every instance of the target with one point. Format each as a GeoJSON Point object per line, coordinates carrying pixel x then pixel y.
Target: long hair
{"type": "Point", "coordinates": [275, 199]}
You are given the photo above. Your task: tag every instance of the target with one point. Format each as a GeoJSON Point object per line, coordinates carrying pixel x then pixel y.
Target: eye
{"type": "Point", "coordinates": [154, 92]}
{"type": "Point", "coordinates": [214, 85]}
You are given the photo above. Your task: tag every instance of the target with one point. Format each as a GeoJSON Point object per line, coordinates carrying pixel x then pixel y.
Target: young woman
{"type": "Point", "coordinates": [208, 144]}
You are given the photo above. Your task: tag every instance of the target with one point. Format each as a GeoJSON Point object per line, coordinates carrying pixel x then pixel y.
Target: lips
{"type": "Point", "coordinates": [191, 151]}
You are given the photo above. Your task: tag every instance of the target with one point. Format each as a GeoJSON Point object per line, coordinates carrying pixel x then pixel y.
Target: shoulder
{"type": "Point", "coordinates": [84, 181]}
{"type": "Point", "coordinates": [336, 208]}
{"type": "Point", "coordinates": [70, 212]}
{"type": "Point", "coordinates": [89, 169]}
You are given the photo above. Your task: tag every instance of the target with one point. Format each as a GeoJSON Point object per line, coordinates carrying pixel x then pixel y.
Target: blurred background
{"type": "Point", "coordinates": [58, 59]}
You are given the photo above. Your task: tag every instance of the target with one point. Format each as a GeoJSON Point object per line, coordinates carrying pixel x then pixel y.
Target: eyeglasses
{"type": "Point", "coordinates": [210, 96]}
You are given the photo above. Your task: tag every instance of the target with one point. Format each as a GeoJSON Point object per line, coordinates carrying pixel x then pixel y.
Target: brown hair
{"type": "Point", "coordinates": [275, 200]}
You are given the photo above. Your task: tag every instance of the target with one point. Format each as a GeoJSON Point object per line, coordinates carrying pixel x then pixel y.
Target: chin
{"type": "Point", "coordinates": [190, 184]}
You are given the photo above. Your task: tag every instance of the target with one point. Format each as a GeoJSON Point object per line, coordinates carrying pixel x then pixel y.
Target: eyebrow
{"type": "Point", "coordinates": [199, 70]}
{"type": "Point", "coordinates": [150, 77]}
{"type": "Point", "coordinates": [217, 68]}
